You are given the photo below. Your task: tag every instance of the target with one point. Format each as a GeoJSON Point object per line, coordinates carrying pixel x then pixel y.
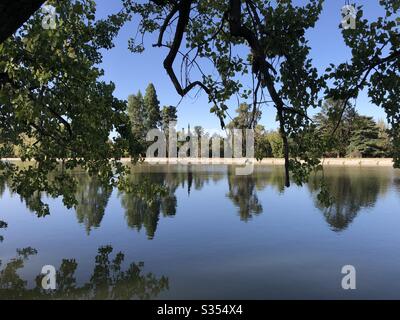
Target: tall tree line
{"type": "Point", "coordinates": [145, 114]}
{"type": "Point", "coordinates": [348, 135]}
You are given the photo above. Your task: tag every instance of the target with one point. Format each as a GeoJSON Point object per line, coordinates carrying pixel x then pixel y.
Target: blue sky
{"type": "Point", "coordinates": [132, 72]}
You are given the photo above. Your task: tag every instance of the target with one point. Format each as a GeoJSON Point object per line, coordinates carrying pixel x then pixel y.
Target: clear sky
{"type": "Point", "coordinates": [132, 72]}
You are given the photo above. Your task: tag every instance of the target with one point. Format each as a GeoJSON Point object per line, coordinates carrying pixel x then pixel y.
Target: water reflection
{"type": "Point", "coordinates": [3, 225]}
{"type": "Point", "coordinates": [243, 190]}
{"type": "Point", "coordinates": [2, 185]}
{"type": "Point", "coordinates": [92, 199]}
{"type": "Point", "coordinates": [352, 189]}
{"type": "Point", "coordinates": [396, 183]}
{"type": "Point", "coordinates": [107, 281]}
{"type": "Point", "coordinates": [144, 212]}
{"type": "Point", "coordinates": [243, 194]}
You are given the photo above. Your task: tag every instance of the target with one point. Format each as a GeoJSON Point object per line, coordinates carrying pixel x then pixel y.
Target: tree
{"type": "Point", "coordinates": [205, 35]}
{"type": "Point", "coordinates": [275, 140]}
{"type": "Point", "coordinates": [384, 138]}
{"type": "Point", "coordinates": [277, 61]}
{"type": "Point", "coordinates": [243, 193]}
{"type": "Point", "coordinates": [262, 148]}
{"type": "Point", "coordinates": [152, 108]}
{"type": "Point", "coordinates": [142, 209]}
{"type": "Point", "coordinates": [365, 140]}
{"type": "Point", "coordinates": [199, 131]}
{"type": "Point", "coordinates": [351, 191]}
{"type": "Point", "coordinates": [245, 118]}
{"type": "Point", "coordinates": [51, 93]}
{"type": "Point", "coordinates": [270, 32]}
{"type": "Point", "coordinates": [3, 225]}
{"type": "Point", "coordinates": [168, 115]}
{"type": "Point", "coordinates": [326, 120]}
{"type": "Point", "coordinates": [373, 67]}
{"type": "Point", "coordinates": [137, 117]}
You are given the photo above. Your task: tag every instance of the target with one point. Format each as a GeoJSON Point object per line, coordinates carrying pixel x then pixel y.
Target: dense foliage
{"type": "Point", "coordinates": [209, 38]}
{"type": "Point", "coordinates": [54, 107]}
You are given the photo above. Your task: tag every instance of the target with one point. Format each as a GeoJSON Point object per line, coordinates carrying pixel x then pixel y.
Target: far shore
{"type": "Point", "coordinates": [346, 162]}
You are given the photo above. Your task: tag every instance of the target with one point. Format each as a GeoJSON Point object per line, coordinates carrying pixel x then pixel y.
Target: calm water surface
{"type": "Point", "coordinates": [214, 235]}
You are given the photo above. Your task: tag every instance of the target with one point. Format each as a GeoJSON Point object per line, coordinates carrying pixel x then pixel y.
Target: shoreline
{"type": "Point", "coordinates": [342, 162]}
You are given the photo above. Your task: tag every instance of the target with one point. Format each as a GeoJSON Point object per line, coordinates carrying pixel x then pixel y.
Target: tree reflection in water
{"type": "Point", "coordinates": [244, 196]}
{"type": "Point", "coordinates": [352, 189]}
{"type": "Point", "coordinates": [143, 211]}
{"type": "Point", "coordinates": [108, 280]}
{"type": "Point", "coordinates": [243, 190]}
{"type": "Point", "coordinates": [92, 199]}
{"type": "Point", "coordinates": [396, 182]}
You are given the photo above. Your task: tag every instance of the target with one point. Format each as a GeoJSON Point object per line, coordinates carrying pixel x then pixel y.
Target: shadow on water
{"type": "Point", "coordinates": [107, 281]}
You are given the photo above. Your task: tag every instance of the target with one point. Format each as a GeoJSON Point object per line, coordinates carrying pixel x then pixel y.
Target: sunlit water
{"type": "Point", "coordinates": [215, 235]}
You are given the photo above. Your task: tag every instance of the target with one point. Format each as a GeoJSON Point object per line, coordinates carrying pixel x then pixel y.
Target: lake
{"type": "Point", "coordinates": [213, 235]}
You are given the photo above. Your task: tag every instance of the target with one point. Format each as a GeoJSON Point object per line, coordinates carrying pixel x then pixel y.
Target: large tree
{"type": "Point", "coordinates": [277, 61]}
{"type": "Point", "coordinates": [245, 117]}
{"type": "Point", "coordinates": [337, 136]}
{"type": "Point", "coordinates": [152, 108]}
{"type": "Point", "coordinates": [52, 94]}
{"type": "Point", "coordinates": [211, 37]}
{"type": "Point", "coordinates": [365, 140]}
{"type": "Point", "coordinates": [137, 116]}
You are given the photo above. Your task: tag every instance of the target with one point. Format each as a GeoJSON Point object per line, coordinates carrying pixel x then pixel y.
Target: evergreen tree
{"type": "Point", "coordinates": [152, 108]}
{"type": "Point", "coordinates": [168, 115]}
{"type": "Point", "coordinates": [327, 120]}
{"type": "Point", "coordinates": [199, 131]}
{"type": "Point", "coordinates": [137, 115]}
{"type": "Point", "coordinates": [244, 118]}
{"type": "Point", "coordinates": [365, 140]}
{"type": "Point", "coordinates": [384, 138]}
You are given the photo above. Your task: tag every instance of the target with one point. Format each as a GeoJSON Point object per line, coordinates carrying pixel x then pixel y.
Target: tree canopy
{"type": "Point", "coordinates": [55, 106]}
{"type": "Point", "coordinates": [206, 36]}
{"type": "Point", "coordinates": [52, 94]}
